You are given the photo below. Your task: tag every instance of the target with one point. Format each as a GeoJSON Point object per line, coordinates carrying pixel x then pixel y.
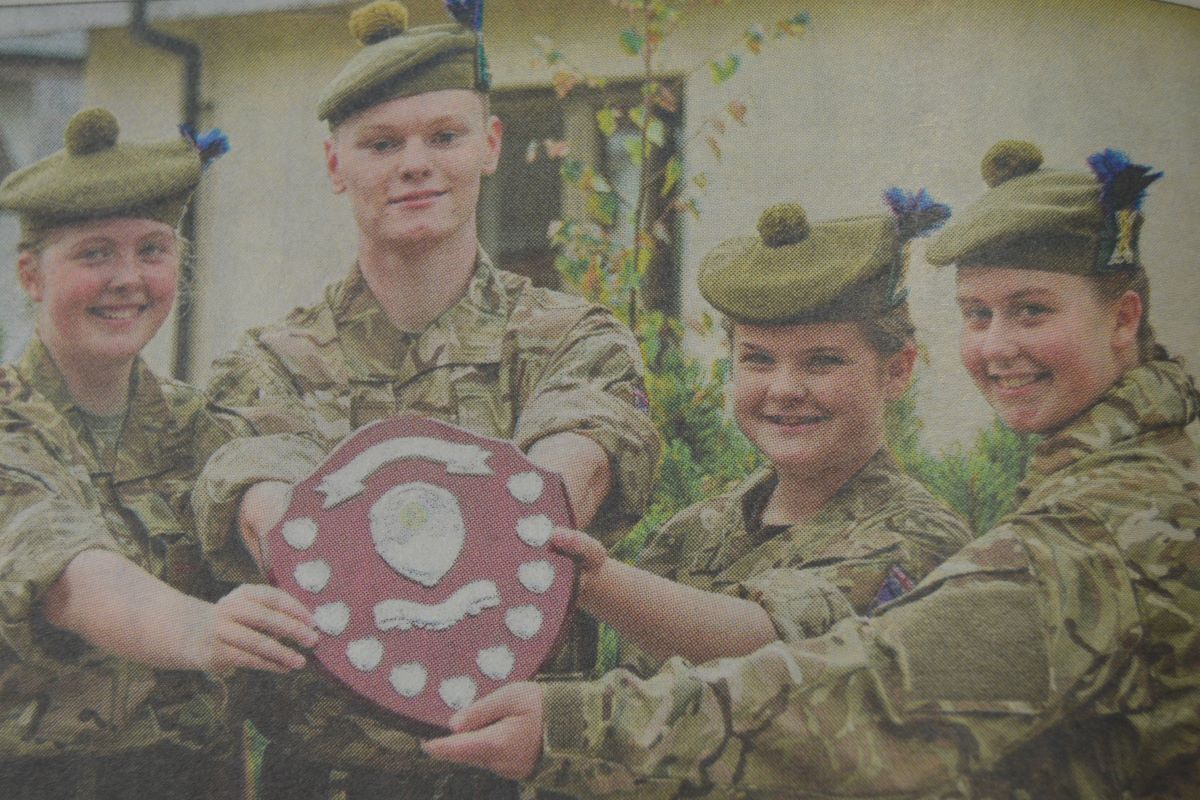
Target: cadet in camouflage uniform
{"type": "Point", "coordinates": [107, 611]}
{"type": "Point", "coordinates": [821, 342]}
{"type": "Point", "coordinates": [1055, 656]}
{"type": "Point", "coordinates": [425, 324]}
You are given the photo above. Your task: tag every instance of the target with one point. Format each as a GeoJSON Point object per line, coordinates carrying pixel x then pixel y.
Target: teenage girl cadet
{"type": "Point", "coordinates": [112, 626]}
{"type": "Point", "coordinates": [822, 342]}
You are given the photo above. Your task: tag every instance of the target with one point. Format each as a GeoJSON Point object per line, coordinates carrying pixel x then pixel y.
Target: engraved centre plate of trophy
{"type": "Point", "coordinates": [422, 551]}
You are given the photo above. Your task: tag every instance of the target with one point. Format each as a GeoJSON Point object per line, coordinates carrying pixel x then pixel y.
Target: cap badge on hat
{"type": "Point", "coordinates": [469, 14]}
{"type": "Point", "coordinates": [1122, 190]}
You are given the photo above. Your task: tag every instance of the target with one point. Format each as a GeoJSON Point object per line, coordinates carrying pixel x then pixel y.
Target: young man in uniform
{"type": "Point", "coordinates": [425, 324]}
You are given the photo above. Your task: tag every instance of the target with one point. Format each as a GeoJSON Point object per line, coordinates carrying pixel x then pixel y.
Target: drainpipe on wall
{"type": "Point", "coordinates": [190, 54]}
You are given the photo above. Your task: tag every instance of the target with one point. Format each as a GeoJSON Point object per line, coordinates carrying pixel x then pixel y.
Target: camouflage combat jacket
{"type": "Point", "coordinates": [58, 497]}
{"type": "Point", "coordinates": [508, 360]}
{"type": "Point", "coordinates": [879, 534]}
{"type": "Point", "coordinates": [1056, 656]}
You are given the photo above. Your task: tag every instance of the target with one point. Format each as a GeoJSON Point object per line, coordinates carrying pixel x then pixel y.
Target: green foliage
{"type": "Point", "coordinates": [600, 266]}
{"type": "Point", "coordinates": [703, 451]}
{"type": "Point", "coordinates": [979, 481]}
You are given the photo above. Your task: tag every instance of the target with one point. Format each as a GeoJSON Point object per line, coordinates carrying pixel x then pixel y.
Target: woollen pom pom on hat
{"type": "Point", "coordinates": [400, 61]}
{"type": "Point", "coordinates": [1031, 217]}
{"type": "Point", "coordinates": [798, 271]}
{"type": "Point", "coordinates": [94, 176]}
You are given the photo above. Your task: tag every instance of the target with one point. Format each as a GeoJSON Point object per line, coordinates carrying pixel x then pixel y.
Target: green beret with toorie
{"type": "Point", "coordinates": [796, 271]}
{"type": "Point", "coordinates": [1076, 222]}
{"type": "Point", "coordinates": [94, 176]}
{"type": "Point", "coordinates": [399, 61]}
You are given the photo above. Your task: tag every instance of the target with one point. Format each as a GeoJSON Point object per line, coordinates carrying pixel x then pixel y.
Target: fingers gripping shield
{"type": "Point", "coordinates": [422, 551]}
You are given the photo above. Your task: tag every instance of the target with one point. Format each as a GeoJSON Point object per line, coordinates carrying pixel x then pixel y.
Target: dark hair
{"type": "Point", "coordinates": [1110, 287]}
{"type": "Point", "coordinates": [891, 330]}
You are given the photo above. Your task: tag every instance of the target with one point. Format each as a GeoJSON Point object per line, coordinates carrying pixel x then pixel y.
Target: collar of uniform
{"type": "Point", "coordinates": [149, 438]}
{"type": "Point", "coordinates": [752, 494]}
{"type": "Point", "coordinates": [865, 490]}
{"type": "Point", "coordinates": [37, 368]}
{"type": "Point", "coordinates": [475, 324]}
{"type": "Point", "coordinates": [152, 438]}
{"type": "Point", "coordinates": [32, 380]}
{"type": "Point", "coordinates": [1156, 395]}
{"type": "Point", "coordinates": [469, 332]}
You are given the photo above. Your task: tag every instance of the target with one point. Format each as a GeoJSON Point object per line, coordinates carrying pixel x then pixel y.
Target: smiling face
{"type": "Point", "coordinates": [812, 397]}
{"type": "Point", "coordinates": [412, 166]}
{"type": "Point", "coordinates": [1042, 346]}
{"type": "Point", "coordinates": [102, 289]}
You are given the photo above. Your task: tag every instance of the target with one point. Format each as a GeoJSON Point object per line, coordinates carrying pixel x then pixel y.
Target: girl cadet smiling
{"type": "Point", "coordinates": [821, 342]}
{"type": "Point", "coordinates": [1055, 656]}
{"type": "Point", "coordinates": [110, 618]}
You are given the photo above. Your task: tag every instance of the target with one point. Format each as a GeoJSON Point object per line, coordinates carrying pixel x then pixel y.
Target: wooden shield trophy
{"type": "Point", "coordinates": [421, 549]}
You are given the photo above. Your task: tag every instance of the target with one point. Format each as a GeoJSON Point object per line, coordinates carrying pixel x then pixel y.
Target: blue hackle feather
{"type": "Point", "coordinates": [211, 145]}
{"type": "Point", "coordinates": [917, 212]}
{"type": "Point", "coordinates": [468, 12]}
{"type": "Point", "coordinates": [1122, 183]}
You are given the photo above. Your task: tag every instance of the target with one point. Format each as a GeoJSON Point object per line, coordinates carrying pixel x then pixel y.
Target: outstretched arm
{"type": "Point", "coordinates": [660, 616]}
{"type": "Point", "coordinates": [590, 387]}
{"type": "Point", "coordinates": [119, 607]}
{"type": "Point", "coordinates": [982, 657]}
{"type": "Point", "coordinates": [583, 465]}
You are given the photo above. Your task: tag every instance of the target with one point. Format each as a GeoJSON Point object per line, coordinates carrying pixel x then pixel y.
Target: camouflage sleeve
{"type": "Point", "coordinates": [227, 474]}
{"type": "Point", "coordinates": [253, 381]}
{"type": "Point", "coordinates": [249, 376]}
{"type": "Point", "coordinates": [591, 384]}
{"type": "Point", "coordinates": [801, 603]}
{"type": "Point", "coordinates": [311, 716]}
{"type": "Point", "coordinates": [663, 552]}
{"type": "Point", "coordinates": [883, 559]}
{"type": "Point", "coordinates": [46, 519]}
{"type": "Point", "coordinates": [208, 428]}
{"type": "Point", "coordinates": [1004, 640]}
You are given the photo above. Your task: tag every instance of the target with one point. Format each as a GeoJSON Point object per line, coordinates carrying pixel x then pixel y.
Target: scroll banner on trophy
{"type": "Point", "coordinates": [422, 550]}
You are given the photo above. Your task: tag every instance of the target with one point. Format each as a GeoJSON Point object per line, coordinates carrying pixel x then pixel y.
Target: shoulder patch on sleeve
{"type": "Point", "coordinates": [895, 585]}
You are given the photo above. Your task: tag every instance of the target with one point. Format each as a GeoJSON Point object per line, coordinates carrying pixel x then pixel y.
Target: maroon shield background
{"type": "Point", "coordinates": [492, 550]}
